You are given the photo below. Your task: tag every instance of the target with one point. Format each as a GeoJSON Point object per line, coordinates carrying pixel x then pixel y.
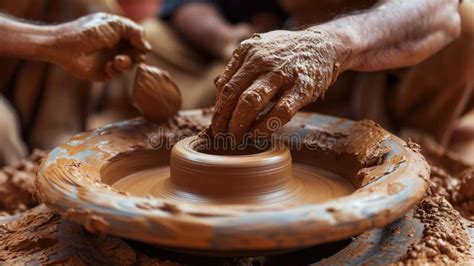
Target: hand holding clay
{"type": "Point", "coordinates": [155, 94]}
{"type": "Point", "coordinates": [98, 46]}
{"type": "Point", "coordinates": [291, 68]}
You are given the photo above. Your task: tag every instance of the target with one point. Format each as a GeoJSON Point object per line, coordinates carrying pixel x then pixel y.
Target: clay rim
{"type": "Point", "coordinates": [82, 197]}
{"type": "Point", "coordinates": [189, 147]}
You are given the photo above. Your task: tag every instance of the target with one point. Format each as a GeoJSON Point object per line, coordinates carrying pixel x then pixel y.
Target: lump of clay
{"type": "Point", "coordinates": [154, 94]}
{"type": "Point", "coordinates": [40, 237]}
{"type": "Point", "coordinates": [17, 185]}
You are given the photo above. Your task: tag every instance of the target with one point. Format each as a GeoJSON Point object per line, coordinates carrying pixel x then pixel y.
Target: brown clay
{"type": "Point", "coordinates": [155, 94]}
{"type": "Point", "coordinates": [462, 195]}
{"type": "Point", "coordinates": [445, 239]}
{"type": "Point", "coordinates": [40, 237]}
{"type": "Point", "coordinates": [17, 187]}
{"type": "Point", "coordinates": [264, 178]}
{"type": "Point", "coordinates": [390, 177]}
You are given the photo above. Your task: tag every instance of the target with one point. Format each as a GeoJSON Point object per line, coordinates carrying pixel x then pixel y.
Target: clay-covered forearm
{"type": "Point", "coordinates": [397, 33]}
{"type": "Point", "coordinates": [22, 39]}
{"type": "Point", "coordinates": [202, 25]}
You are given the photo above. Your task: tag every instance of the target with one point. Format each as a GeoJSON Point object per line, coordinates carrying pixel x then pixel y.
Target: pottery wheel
{"type": "Point", "coordinates": [324, 179]}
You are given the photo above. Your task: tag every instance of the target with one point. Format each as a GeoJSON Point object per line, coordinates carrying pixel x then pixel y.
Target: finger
{"type": "Point", "coordinates": [133, 32]}
{"type": "Point", "coordinates": [139, 58]}
{"type": "Point", "coordinates": [227, 99]}
{"type": "Point", "coordinates": [112, 72]}
{"type": "Point", "coordinates": [139, 42]}
{"type": "Point", "coordinates": [286, 107]}
{"type": "Point", "coordinates": [122, 62]}
{"type": "Point", "coordinates": [136, 56]}
{"type": "Point", "coordinates": [252, 102]}
{"type": "Point", "coordinates": [232, 67]}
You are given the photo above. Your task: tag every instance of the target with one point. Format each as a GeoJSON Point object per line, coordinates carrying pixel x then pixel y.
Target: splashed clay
{"type": "Point", "coordinates": [17, 185]}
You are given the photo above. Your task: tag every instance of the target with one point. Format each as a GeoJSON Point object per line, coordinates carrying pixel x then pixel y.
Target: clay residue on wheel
{"type": "Point", "coordinates": [39, 236]}
{"type": "Point", "coordinates": [458, 189]}
{"type": "Point", "coordinates": [365, 142]}
{"type": "Point", "coordinates": [445, 239]}
{"type": "Point", "coordinates": [464, 199]}
{"type": "Point", "coordinates": [17, 185]}
{"type": "Point", "coordinates": [359, 151]}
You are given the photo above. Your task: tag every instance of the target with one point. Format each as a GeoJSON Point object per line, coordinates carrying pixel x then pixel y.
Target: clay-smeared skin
{"type": "Point", "coordinates": [97, 46]}
{"type": "Point", "coordinates": [155, 94]}
{"type": "Point", "coordinates": [299, 66]}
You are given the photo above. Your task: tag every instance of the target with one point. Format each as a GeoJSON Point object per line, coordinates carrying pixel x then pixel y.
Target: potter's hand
{"type": "Point", "coordinates": [98, 46]}
{"type": "Point", "coordinates": [291, 68]}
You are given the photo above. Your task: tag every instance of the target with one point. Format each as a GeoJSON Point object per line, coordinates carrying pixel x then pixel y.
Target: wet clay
{"type": "Point", "coordinates": [17, 185]}
{"type": "Point", "coordinates": [262, 178]}
{"type": "Point", "coordinates": [389, 176]}
{"type": "Point", "coordinates": [155, 94]}
{"type": "Point", "coordinates": [464, 200]}
{"type": "Point", "coordinates": [259, 71]}
{"type": "Point", "coordinates": [40, 237]}
{"type": "Point", "coordinates": [443, 211]}
{"type": "Point", "coordinates": [458, 189]}
{"type": "Point", "coordinates": [445, 239]}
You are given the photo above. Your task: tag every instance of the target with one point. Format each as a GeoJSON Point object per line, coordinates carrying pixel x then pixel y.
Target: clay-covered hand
{"type": "Point", "coordinates": [98, 46]}
{"type": "Point", "coordinates": [289, 68]}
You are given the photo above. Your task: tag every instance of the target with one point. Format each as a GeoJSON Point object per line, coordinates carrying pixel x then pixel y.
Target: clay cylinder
{"type": "Point", "coordinates": [256, 174]}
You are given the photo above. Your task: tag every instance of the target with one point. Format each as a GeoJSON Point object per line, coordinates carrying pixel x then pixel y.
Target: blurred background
{"type": "Point", "coordinates": [193, 40]}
